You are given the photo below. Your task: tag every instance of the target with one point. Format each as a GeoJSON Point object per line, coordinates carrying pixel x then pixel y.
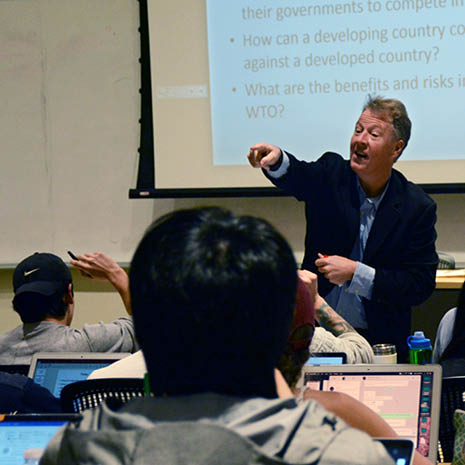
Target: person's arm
{"type": "Point", "coordinates": [353, 344]}
{"type": "Point", "coordinates": [100, 266]}
{"type": "Point", "coordinates": [282, 388]}
{"type": "Point", "coordinates": [357, 415]}
{"type": "Point", "coordinates": [324, 314]}
{"type": "Point", "coordinates": [329, 319]}
{"type": "Point", "coordinates": [335, 333]}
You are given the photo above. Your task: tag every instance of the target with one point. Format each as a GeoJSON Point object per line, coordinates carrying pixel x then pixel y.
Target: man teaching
{"type": "Point", "coordinates": [370, 232]}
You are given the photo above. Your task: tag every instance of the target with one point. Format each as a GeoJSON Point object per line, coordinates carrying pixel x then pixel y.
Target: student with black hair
{"type": "Point", "coordinates": [44, 300]}
{"type": "Point", "coordinates": [213, 297]}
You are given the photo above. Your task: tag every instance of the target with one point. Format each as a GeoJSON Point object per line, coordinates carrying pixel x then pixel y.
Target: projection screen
{"type": "Point", "coordinates": [226, 75]}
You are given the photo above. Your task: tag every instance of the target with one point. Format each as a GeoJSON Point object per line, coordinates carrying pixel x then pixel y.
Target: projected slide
{"type": "Point", "coordinates": [296, 73]}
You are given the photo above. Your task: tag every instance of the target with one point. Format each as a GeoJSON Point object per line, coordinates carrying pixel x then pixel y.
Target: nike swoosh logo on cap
{"type": "Point", "coordinates": [27, 273]}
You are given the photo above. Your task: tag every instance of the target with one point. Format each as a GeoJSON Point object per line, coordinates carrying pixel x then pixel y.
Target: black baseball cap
{"type": "Point", "coordinates": [42, 273]}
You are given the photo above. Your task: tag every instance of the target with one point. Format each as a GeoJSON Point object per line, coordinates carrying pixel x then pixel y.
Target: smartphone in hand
{"type": "Point", "coordinates": [401, 450]}
{"type": "Point", "coordinates": [88, 275]}
{"type": "Point", "coordinates": [72, 255]}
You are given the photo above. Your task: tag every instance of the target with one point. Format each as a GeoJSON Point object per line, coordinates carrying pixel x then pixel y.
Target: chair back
{"type": "Point", "coordinates": [446, 261]}
{"type": "Point", "coordinates": [81, 395]}
{"type": "Point", "coordinates": [452, 398]}
{"type": "Point", "coordinates": [19, 369]}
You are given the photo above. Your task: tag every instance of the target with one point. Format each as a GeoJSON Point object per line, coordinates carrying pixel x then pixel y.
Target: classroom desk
{"type": "Point", "coordinates": [449, 283]}
{"type": "Point", "coordinates": [450, 279]}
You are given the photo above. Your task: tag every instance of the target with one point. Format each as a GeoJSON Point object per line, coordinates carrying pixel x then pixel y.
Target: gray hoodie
{"type": "Point", "coordinates": [278, 428]}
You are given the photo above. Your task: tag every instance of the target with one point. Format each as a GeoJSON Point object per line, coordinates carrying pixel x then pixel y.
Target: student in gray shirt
{"type": "Point", "coordinates": [44, 300]}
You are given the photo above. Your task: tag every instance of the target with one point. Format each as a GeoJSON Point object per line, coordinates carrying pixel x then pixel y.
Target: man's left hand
{"type": "Point", "coordinates": [336, 269]}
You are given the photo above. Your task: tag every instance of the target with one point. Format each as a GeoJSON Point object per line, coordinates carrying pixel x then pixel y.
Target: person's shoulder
{"type": "Point", "coordinates": [448, 318]}
{"type": "Point", "coordinates": [322, 340]}
{"type": "Point", "coordinates": [330, 165]}
{"type": "Point", "coordinates": [328, 158]}
{"type": "Point", "coordinates": [337, 441]}
{"type": "Point", "coordinates": [14, 380]}
{"type": "Point", "coordinates": [333, 158]}
{"type": "Point", "coordinates": [13, 332]}
{"type": "Point", "coordinates": [7, 338]}
{"type": "Point", "coordinates": [312, 433]}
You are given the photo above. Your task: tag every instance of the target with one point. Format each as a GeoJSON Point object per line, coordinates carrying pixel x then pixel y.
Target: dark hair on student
{"type": "Point", "coordinates": [396, 112]}
{"type": "Point", "coordinates": [212, 296]}
{"type": "Point", "coordinates": [456, 346]}
{"type": "Point", "coordinates": [33, 307]}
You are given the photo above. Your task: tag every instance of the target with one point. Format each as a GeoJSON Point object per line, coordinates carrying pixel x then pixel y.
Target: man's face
{"type": "Point", "coordinates": [374, 148]}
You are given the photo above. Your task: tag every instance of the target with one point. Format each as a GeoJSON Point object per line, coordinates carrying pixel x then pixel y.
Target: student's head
{"type": "Point", "coordinates": [212, 296]}
{"type": "Point", "coordinates": [41, 283]}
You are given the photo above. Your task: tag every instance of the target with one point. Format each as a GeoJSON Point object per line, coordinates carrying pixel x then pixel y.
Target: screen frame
{"type": "Point", "coordinates": [146, 185]}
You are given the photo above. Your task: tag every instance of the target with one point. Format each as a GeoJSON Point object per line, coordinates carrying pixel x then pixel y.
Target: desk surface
{"type": "Point", "coordinates": [450, 279]}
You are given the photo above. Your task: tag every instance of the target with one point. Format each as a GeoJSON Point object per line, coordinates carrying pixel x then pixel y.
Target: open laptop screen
{"type": "Point", "coordinates": [406, 396]}
{"type": "Point", "coordinates": [24, 437]}
{"type": "Point", "coordinates": [327, 358]}
{"type": "Point", "coordinates": [55, 370]}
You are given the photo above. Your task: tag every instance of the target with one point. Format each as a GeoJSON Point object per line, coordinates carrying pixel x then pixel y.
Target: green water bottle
{"type": "Point", "coordinates": [421, 351]}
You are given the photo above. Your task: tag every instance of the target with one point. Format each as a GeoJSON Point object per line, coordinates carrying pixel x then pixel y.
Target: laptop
{"type": "Point", "coordinates": [327, 358]}
{"type": "Point", "coordinates": [54, 370]}
{"type": "Point", "coordinates": [408, 397]}
{"type": "Point", "coordinates": [24, 437]}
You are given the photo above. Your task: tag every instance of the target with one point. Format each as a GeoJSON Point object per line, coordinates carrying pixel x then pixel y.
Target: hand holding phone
{"type": "Point", "coordinates": [401, 450]}
{"type": "Point", "coordinates": [74, 257]}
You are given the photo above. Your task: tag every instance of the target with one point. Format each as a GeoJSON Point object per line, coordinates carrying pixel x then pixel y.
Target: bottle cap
{"type": "Point", "coordinates": [418, 341]}
{"type": "Point", "coordinates": [384, 349]}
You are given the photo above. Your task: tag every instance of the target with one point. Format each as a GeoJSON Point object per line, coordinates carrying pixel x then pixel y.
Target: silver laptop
{"type": "Point", "coordinates": [24, 437]}
{"type": "Point", "coordinates": [408, 397]}
{"type": "Point", "coordinates": [54, 370]}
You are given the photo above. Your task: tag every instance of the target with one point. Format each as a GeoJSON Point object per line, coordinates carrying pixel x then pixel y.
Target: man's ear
{"type": "Point", "coordinates": [69, 294]}
{"type": "Point", "coordinates": [400, 144]}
